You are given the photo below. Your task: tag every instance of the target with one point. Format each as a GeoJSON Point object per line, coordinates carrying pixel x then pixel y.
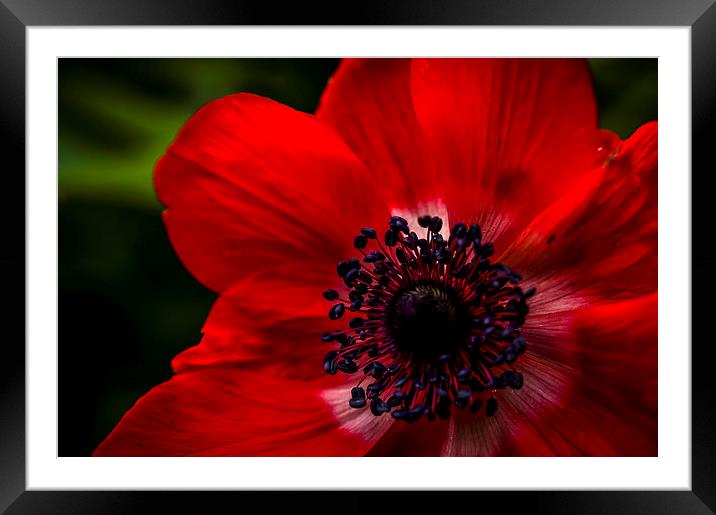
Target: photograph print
{"type": "Point", "coordinates": [358, 257]}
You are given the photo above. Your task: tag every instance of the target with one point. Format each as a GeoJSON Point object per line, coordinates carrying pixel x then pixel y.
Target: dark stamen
{"type": "Point", "coordinates": [330, 294]}
{"type": "Point", "coordinates": [368, 233]}
{"type": "Point", "coordinates": [336, 311]}
{"type": "Point", "coordinates": [439, 324]}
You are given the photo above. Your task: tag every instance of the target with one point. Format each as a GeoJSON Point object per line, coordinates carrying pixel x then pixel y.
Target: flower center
{"type": "Point", "coordinates": [427, 320]}
{"type": "Point", "coordinates": [436, 323]}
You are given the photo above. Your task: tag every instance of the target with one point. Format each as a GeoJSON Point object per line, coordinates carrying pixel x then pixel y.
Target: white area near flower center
{"type": "Point", "coordinates": [434, 207]}
{"type": "Point", "coordinates": [357, 421]}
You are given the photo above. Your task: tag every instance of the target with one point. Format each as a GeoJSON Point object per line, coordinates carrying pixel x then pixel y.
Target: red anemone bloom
{"type": "Point", "coordinates": [508, 307]}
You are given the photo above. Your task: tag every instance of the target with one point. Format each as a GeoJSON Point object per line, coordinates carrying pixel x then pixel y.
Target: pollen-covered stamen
{"type": "Point", "coordinates": [433, 323]}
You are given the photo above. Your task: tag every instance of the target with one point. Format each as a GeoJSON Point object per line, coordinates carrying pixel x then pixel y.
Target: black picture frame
{"type": "Point", "coordinates": [17, 15]}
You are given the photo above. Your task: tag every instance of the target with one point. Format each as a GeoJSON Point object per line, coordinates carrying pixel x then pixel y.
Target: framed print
{"type": "Point", "coordinates": [411, 251]}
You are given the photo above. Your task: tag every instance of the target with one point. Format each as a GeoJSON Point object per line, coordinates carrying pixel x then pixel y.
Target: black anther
{"type": "Point", "coordinates": [336, 311]}
{"type": "Point", "coordinates": [330, 294]}
{"type": "Point", "coordinates": [368, 232]}
{"type": "Point", "coordinates": [360, 241]}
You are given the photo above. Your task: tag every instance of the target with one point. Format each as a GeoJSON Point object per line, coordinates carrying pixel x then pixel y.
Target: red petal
{"type": "Point", "coordinates": [251, 184]}
{"type": "Point", "coordinates": [225, 412]}
{"type": "Point", "coordinates": [519, 413]}
{"type": "Point", "coordinates": [612, 408]}
{"type": "Point", "coordinates": [601, 238]}
{"type": "Point", "coordinates": [617, 354]}
{"type": "Point", "coordinates": [369, 103]}
{"type": "Point", "coordinates": [263, 321]}
{"type": "Point", "coordinates": [589, 390]}
{"type": "Point", "coordinates": [509, 135]}
{"type": "Point", "coordinates": [424, 438]}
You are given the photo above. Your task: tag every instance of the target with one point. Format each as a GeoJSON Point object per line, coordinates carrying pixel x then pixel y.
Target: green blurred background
{"type": "Point", "coordinates": [126, 304]}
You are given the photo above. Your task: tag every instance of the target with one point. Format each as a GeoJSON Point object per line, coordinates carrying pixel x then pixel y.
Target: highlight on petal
{"type": "Point", "coordinates": [232, 412]}
{"type": "Point", "coordinates": [248, 182]}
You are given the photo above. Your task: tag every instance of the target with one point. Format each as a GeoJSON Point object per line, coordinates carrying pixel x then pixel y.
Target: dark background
{"type": "Point", "coordinates": [126, 304]}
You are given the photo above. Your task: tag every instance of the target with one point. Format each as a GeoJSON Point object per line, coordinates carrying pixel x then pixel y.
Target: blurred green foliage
{"type": "Point", "coordinates": [118, 116]}
{"type": "Point", "coordinates": [626, 93]}
{"type": "Point", "coordinates": [127, 306]}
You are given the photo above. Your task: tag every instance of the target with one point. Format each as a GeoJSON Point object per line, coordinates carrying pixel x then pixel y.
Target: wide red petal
{"type": "Point", "coordinates": [262, 321]}
{"type": "Point", "coordinates": [600, 239]}
{"type": "Point", "coordinates": [508, 135]}
{"type": "Point", "coordinates": [369, 103]}
{"type": "Point", "coordinates": [251, 184]}
{"type": "Point", "coordinates": [227, 412]}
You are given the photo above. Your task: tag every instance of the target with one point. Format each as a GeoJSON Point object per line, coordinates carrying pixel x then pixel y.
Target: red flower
{"type": "Point", "coordinates": [263, 201]}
